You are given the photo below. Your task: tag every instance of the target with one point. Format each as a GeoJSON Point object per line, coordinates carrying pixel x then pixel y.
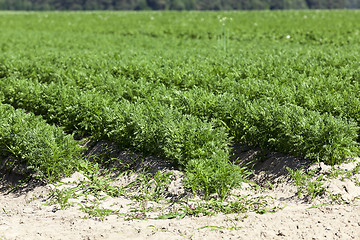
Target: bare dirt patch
{"type": "Point", "coordinates": [334, 214]}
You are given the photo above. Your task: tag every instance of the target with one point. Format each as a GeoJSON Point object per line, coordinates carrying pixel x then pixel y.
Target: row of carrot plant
{"type": "Point", "coordinates": [184, 90]}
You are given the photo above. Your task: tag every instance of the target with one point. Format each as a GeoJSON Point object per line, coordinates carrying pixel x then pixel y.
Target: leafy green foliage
{"type": "Point", "coordinates": [41, 147]}
{"type": "Point", "coordinates": [213, 175]}
{"type": "Point", "coordinates": [306, 183]}
{"type": "Point", "coordinates": [168, 88]}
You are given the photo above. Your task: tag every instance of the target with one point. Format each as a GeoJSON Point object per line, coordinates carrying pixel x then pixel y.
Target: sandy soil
{"type": "Point", "coordinates": [24, 214]}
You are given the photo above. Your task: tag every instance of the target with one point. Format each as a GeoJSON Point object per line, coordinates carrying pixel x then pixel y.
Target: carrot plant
{"type": "Point", "coordinates": [29, 141]}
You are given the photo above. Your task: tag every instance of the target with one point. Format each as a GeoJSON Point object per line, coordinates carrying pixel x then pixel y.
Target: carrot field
{"type": "Point", "coordinates": [181, 86]}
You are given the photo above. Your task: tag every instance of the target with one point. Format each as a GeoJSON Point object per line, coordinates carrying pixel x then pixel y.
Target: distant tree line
{"type": "Point", "coordinates": [175, 4]}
